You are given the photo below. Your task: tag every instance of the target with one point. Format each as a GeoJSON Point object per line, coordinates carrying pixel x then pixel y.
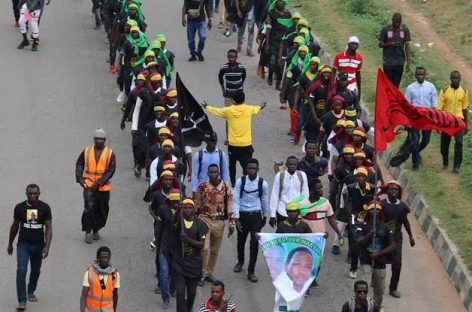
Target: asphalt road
{"type": "Point", "coordinates": [52, 102]}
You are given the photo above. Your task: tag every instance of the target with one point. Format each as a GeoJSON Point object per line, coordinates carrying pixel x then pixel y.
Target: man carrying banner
{"type": "Point", "coordinates": [454, 99]}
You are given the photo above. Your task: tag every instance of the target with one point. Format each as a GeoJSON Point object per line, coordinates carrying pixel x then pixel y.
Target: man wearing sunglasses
{"type": "Point", "coordinates": [360, 302]}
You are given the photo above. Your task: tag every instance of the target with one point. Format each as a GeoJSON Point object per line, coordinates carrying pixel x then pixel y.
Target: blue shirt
{"type": "Point", "coordinates": [312, 171]}
{"type": "Point", "coordinates": [250, 201]}
{"type": "Point", "coordinates": [422, 94]}
{"type": "Point", "coordinates": [208, 159]}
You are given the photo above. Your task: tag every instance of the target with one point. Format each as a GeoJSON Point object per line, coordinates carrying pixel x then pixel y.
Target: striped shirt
{"type": "Point", "coordinates": [208, 307]}
{"type": "Point", "coordinates": [232, 78]}
{"type": "Point", "coordinates": [343, 61]}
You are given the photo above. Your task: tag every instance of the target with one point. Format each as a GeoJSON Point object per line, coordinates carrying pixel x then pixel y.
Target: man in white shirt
{"type": "Point", "coordinates": [287, 185]}
{"type": "Point", "coordinates": [420, 93]}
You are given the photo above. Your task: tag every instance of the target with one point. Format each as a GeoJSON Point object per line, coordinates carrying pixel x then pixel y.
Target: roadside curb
{"type": "Point", "coordinates": [444, 248]}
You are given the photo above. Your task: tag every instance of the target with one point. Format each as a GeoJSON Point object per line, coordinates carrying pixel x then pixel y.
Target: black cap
{"type": "Point", "coordinates": [342, 75]}
{"type": "Point", "coordinates": [212, 136]}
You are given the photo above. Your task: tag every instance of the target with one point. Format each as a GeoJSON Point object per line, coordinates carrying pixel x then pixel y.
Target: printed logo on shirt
{"type": "Point", "coordinates": [402, 34]}
{"type": "Point", "coordinates": [32, 219]}
{"type": "Point", "coordinates": [390, 34]}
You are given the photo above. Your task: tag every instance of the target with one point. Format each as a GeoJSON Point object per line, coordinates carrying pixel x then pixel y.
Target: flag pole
{"type": "Point", "coordinates": [182, 152]}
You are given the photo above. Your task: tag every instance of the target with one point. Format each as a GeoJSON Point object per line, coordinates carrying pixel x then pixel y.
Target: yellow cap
{"type": "Point", "coordinates": [348, 150]}
{"type": "Point", "coordinates": [350, 112]}
{"type": "Point", "coordinates": [134, 28]}
{"type": "Point", "coordinates": [296, 15]}
{"type": "Point", "coordinates": [304, 30]}
{"type": "Point", "coordinates": [166, 173]}
{"type": "Point", "coordinates": [303, 22]}
{"type": "Point", "coordinates": [341, 122]}
{"type": "Point", "coordinates": [174, 196]}
{"type": "Point", "coordinates": [169, 167]}
{"type": "Point", "coordinates": [361, 170]}
{"type": "Point", "coordinates": [133, 5]}
{"type": "Point", "coordinates": [159, 108]}
{"type": "Point", "coordinates": [141, 77]}
{"type": "Point", "coordinates": [326, 69]}
{"type": "Point", "coordinates": [149, 53]}
{"type": "Point", "coordinates": [292, 206]}
{"type": "Point", "coordinates": [188, 202]}
{"type": "Point", "coordinates": [156, 77]}
{"type": "Point", "coordinates": [372, 205]}
{"type": "Point", "coordinates": [174, 115]}
{"type": "Point", "coordinates": [358, 132]}
{"type": "Point", "coordinates": [168, 143]}
{"type": "Point", "coordinates": [303, 48]}
{"type": "Point", "coordinates": [349, 123]}
{"type": "Point", "coordinates": [315, 59]}
{"type": "Point", "coordinates": [359, 154]}
{"type": "Point", "coordinates": [164, 130]}
{"type": "Point", "coordinates": [132, 22]}
{"type": "Point", "coordinates": [171, 93]}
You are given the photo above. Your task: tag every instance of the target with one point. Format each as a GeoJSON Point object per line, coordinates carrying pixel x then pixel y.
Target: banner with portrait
{"type": "Point", "coordinates": [293, 261]}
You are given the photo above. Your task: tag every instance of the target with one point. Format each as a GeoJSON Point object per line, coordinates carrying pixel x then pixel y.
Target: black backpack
{"type": "Point", "coordinates": [243, 183]}
{"type": "Point", "coordinates": [200, 157]}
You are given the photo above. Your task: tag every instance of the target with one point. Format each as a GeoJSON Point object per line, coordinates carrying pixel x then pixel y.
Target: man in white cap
{"type": "Point", "coordinates": [93, 171]}
{"type": "Point", "coordinates": [350, 61]}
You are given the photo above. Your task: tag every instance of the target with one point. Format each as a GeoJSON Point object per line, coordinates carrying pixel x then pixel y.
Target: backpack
{"type": "Point", "coordinates": [259, 187]}
{"type": "Point", "coordinates": [282, 177]}
{"type": "Point", "coordinates": [200, 157]}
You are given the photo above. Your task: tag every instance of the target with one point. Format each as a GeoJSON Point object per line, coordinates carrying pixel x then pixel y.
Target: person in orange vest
{"type": "Point", "coordinates": [100, 284]}
{"type": "Point", "coordinates": [93, 171]}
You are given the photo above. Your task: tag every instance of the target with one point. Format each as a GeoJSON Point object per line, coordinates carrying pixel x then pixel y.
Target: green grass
{"type": "Point", "coordinates": [448, 196]}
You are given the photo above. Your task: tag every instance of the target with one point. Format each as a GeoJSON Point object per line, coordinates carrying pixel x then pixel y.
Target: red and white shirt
{"type": "Point", "coordinates": [349, 64]}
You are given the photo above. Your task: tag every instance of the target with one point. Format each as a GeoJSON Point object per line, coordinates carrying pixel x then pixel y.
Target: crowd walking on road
{"type": "Point", "coordinates": [193, 196]}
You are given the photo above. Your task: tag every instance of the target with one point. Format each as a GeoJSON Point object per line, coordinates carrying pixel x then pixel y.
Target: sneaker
{"type": "Point", "coordinates": [23, 44]}
{"type": "Point", "coordinates": [456, 170]}
{"type": "Point", "coordinates": [88, 238]}
{"type": "Point", "coordinates": [238, 267]}
{"type": "Point", "coordinates": [157, 290]}
{"type": "Point", "coordinates": [252, 278]}
{"type": "Point", "coordinates": [291, 139]}
{"type": "Point", "coordinates": [192, 58]}
{"type": "Point", "coordinates": [283, 106]}
{"type": "Point", "coordinates": [200, 57]}
{"type": "Point", "coordinates": [307, 293]}
{"type": "Point", "coordinates": [335, 250]}
{"type": "Point", "coordinates": [269, 81]}
{"type": "Point", "coordinates": [112, 70]}
{"type": "Point", "coordinates": [21, 307]}
{"type": "Point", "coordinates": [152, 245]}
{"type": "Point", "coordinates": [352, 274]}
{"type": "Point", "coordinates": [210, 279]}
{"type": "Point", "coordinates": [277, 86]}
{"type": "Point", "coordinates": [235, 28]}
{"type": "Point", "coordinates": [97, 27]}
{"type": "Point", "coordinates": [226, 142]}
{"type": "Point", "coordinates": [238, 49]}
{"type": "Point", "coordinates": [96, 236]}
{"type": "Point", "coordinates": [250, 54]}
{"type": "Point", "coordinates": [227, 33]}
{"type": "Point", "coordinates": [32, 298]}
{"type": "Point", "coordinates": [120, 96]}
{"type": "Point", "coordinates": [165, 304]}
{"type": "Point", "coordinates": [314, 284]}
{"type": "Point", "coordinates": [395, 293]}
{"type": "Point", "coordinates": [220, 25]}
{"type": "Point", "coordinates": [137, 172]}
{"type": "Point", "coordinates": [201, 282]}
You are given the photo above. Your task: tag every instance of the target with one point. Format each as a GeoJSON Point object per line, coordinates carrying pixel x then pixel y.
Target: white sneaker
{"type": "Point", "coordinates": [152, 245]}
{"type": "Point", "coordinates": [352, 274]}
{"type": "Point", "coordinates": [120, 96]}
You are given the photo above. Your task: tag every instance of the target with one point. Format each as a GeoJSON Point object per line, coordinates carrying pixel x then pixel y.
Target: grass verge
{"type": "Point", "coordinates": [448, 196]}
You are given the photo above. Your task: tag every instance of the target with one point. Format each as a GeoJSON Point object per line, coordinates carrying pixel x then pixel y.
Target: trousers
{"type": "Point", "coordinates": [16, 9]}
{"type": "Point", "coordinates": [241, 154]}
{"type": "Point", "coordinates": [251, 224]}
{"type": "Point", "coordinates": [248, 21]}
{"type": "Point", "coordinates": [96, 210]}
{"type": "Point", "coordinates": [33, 21]}
{"type": "Point", "coordinates": [445, 142]}
{"type": "Point", "coordinates": [213, 240]}
{"type": "Point", "coordinates": [378, 285]}
{"type": "Point", "coordinates": [27, 253]}
{"type": "Point", "coordinates": [186, 288]}
{"type": "Point", "coordinates": [194, 27]}
{"type": "Point", "coordinates": [396, 263]}
{"type": "Point", "coordinates": [394, 73]}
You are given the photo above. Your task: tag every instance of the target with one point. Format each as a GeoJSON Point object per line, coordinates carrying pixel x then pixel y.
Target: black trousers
{"type": "Point", "coordinates": [275, 67]}
{"type": "Point", "coordinates": [96, 10]}
{"type": "Point", "coordinates": [139, 148]}
{"type": "Point", "coordinates": [251, 224]}
{"type": "Point", "coordinates": [445, 142]}
{"type": "Point", "coordinates": [96, 210]}
{"type": "Point", "coordinates": [396, 263]}
{"type": "Point", "coordinates": [394, 73]}
{"type": "Point", "coordinates": [186, 289]}
{"type": "Point", "coordinates": [16, 9]}
{"type": "Point", "coordinates": [241, 154]}
{"type": "Point", "coordinates": [279, 218]}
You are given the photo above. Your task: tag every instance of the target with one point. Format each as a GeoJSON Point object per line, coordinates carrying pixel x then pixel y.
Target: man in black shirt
{"type": "Point", "coordinates": [274, 37]}
{"type": "Point", "coordinates": [375, 243]}
{"type": "Point", "coordinates": [395, 39]}
{"type": "Point", "coordinates": [196, 21]}
{"type": "Point", "coordinates": [360, 302]}
{"type": "Point", "coordinates": [232, 75]}
{"type": "Point", "coordinates": [186, 254]}
{"type": "Point", "coordinates": [395, 213]}
{"type": "Point", "coordinates": [33, 219]}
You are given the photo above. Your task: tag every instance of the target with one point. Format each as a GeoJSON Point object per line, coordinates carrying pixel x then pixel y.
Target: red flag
{"type": "Point", "coordinates": [392, 109]}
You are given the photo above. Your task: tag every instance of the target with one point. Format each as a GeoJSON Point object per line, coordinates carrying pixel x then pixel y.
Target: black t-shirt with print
{"type": "Point", "coordinates": [169, 237]}
{"type": "Point", "coordinates": [328, 121]}
{"type": "Point", "coordinates": [196, 4]}
{"type": "Point", "coordinates": [381, 241]}
{"type": "Point", "coordinates": [32, 220]}
{"type": "Point", "coordinates": [394, 56]}
{"type": "Point", "coordinates": [359, 198]}
{"type": "Point", "coordinates": [190, 265]}
{"type": "Point", "coordinates": [319, 100]}
{"type": "Point", "coordinates": [394, 215]}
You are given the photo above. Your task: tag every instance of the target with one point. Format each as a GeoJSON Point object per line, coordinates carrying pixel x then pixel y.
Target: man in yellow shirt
{"type": "Point", "coordinates": [453, 99]}
{"type": "Point", "coordinates": [239, 118]}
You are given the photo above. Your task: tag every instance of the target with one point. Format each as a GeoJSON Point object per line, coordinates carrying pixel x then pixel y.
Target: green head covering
{"type": "Point", "coordinates": [141, 42]}
{"type": "Point", "coordinates": [272, 3]}
{"type": "Point", "coordinates": [139, 11]}
{"type": "Point", "coordinates": [296, 58]}
{"type": "Point", "coordinates": [161, 38]}
{"type": "Point", "coordinates": [294, 204]}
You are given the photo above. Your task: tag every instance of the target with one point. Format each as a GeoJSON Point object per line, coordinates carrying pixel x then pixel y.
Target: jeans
{"type": "Point", "coordinates": [192, 28]}
{"type": "Point", "coordinates": [186, 288]}
{"type": "Point", "coordinates": [425, 138]}
{"type": "Point", "coordinates": [251, 223]}
{"type": "Point", "coordinates": [445, 142]}
{"type": "Point", "coordinates": [415, 152]}
{"type": "Point", "coordinates": [165, 279]}
{"type": "Point", "coordinates": [249, 21]}
{"type": "Point", "coordinates": [25, 253]}
{"type": "Point", "coordinates": [241, 154]}
{"type": "Point", "coordinates": [394, 73]}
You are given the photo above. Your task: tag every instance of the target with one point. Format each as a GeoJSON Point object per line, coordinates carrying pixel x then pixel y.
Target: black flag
{"type": "Point", "coordinates": [194, 122]}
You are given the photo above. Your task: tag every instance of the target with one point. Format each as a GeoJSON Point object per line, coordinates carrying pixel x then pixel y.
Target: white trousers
{"type": "Point", "coordinates": [33, 22]}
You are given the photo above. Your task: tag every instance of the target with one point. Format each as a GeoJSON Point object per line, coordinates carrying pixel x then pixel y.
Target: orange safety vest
{"type": "Point", "coordinates": [93, 171]}
{"type": "Point", "coordinates": [98, 299]}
